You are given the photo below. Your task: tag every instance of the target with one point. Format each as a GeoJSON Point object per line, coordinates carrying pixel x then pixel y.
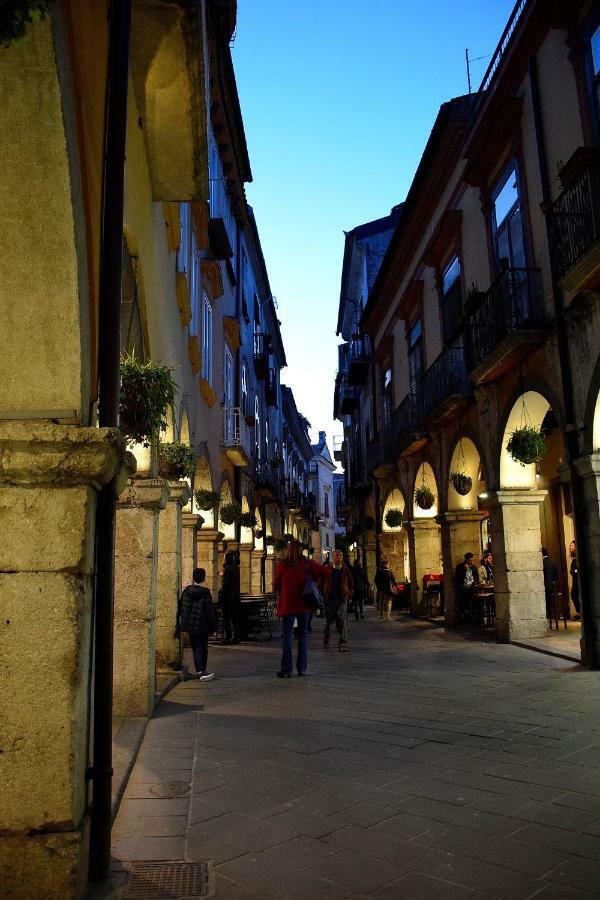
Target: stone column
{"type": "Point", "coordinates": [588, 468]}
{"type": "Point", "coordinates": [49, 477]}
{"type": "Point", "coordinates": [270, 563]}
{"type": "Point", "coordinates": [168, 588]}
{"type": "Point", "coordinates": [207, 556]}
{"type": "Point", "coordinates": [246, 568]}
{"type": "Point", "coordinates": [190, 523]}
{"type": "Point", "coordinates": [459, 534]}
{"type": "Point", "coordinates": [256, 564]}
{"type": "Point", "coordinates": [370, 560]}
{"type": "Point", "coordinates": [136, 566]}
{"type": "Point", "coordinates": [424, 553]}
{"type": "Point", "coordinates": [518, 577]}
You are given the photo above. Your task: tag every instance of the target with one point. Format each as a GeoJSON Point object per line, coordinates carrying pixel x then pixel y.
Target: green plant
{"type": "Point", "coordinates": [259, 533]}
{"type": "Point", "coordinates": [424, 497]}
{"type": "Point", "coordinates": [393, 518]}
{"type": "Point", "coordinates": [461, 482]}
{"type": "Point", "coordinates": [269, 540]}
{"type": "Point", "coordinates": [248, 520]}
{"type": "Point", "coordinates": [527, 445]}
{"type": "Point", "coordinates": [176, 460]}
{"type": "Point", "coordinates": [230, 513]}
{"type": "Point", "coordinates": [147, 391]}
{"type": "Point", "coordinates": [206, 499]}
{"type": "Point", "coordinates": [15, 15]}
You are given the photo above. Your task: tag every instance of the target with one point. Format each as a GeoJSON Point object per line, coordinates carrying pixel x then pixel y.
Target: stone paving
{"type": "Point", "coordinates": [419, 765]}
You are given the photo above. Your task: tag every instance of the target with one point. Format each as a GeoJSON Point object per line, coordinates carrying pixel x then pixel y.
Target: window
{"type": "Point", "coordinates": [266, 438]}
{"type": "Point", "coordinates": [415, 356]}
{"type": "Point", "coordinates": [451, 300]}
{"type": "Point", "coordinates": [183, 253]}
{"type": "Point", "coordinates": [194, 285]}
{"type": "Point", "coordinates": [228, 377]}
{"type": "Point", "coordinates": [326, 505]}
{"type": "Point", "coordinates": [206, 338]}
{"type": "Point", "coordinates": [594, 69]}
{"type": "Point", "coordinates": [507, 222]}
{"type": "Point", "coordinates": [387, 399]}
{"type": "Point", "coordinates": [257, 428]}
{"type": "Point", "coordinates": [244, 388]}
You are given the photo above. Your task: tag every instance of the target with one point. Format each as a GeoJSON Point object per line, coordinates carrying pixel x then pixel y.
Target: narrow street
{"type": "Point", "coordinates": [419, 765]}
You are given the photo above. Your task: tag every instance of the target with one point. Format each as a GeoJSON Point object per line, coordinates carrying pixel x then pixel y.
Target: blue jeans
{"type": "Point", "coordinates": [287, 660]}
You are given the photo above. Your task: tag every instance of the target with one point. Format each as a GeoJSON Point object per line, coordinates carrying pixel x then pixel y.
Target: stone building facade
{"type": "Point", "coordinates": [483, 318]}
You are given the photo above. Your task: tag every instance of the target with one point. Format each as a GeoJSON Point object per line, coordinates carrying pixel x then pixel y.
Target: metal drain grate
{"type": "Point", "coordinates": [168, 881]}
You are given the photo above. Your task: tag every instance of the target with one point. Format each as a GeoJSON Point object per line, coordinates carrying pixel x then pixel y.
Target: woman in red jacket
{"type": "Point", "coordinates": [290, 577]}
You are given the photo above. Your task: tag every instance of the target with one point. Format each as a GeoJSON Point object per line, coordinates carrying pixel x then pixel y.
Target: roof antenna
{"type": "Point", "coordinates": [468, 69]}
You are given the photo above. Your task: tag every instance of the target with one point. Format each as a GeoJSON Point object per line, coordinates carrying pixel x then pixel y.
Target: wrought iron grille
{"type": "Point", "coordinates": [447, 376]}
{"type": "Point", "coordinates": [406, 419]}
{"type": "Point", "coordinates": [513, 303]}
{"type": "Point", "coordinates": [575, 219]}
{"type": "Point", "coordinates": [360, 347]}
{"type": "Point", "coordinates": [168, 881]}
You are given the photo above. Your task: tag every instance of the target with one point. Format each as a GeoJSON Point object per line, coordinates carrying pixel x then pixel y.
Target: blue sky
{"type": "Point", "coordinates": [338, 99]}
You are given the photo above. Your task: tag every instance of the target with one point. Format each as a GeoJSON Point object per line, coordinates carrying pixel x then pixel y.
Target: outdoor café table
{"type": "Point", "coordinates": [433, 588]}
{"type": "Point", "coordinates": [257, 615]}
{"type": "Point", "coordinates": [483, 606]}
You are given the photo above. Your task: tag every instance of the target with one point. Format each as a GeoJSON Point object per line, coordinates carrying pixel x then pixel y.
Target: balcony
{"type": "Point", "coordinates": [380, 454]}
{"type": "Point", "coordinates": [261, 354]}
{"type": "Point", "coordinates": [235, 439]}
{"type": "Point", "coordinates": [575, 223]}
{"type": "Point", "coordinates": [508, 321]}
{"type": "Point", "coordinates": [445, 387]}
{"type": "Point", "coordinates": [293, 498]}
{"type": "Point", "coordinates": [348, 398]}
{"type": "Point", "coordinates": [267, 479]}
{"type": "Point", "coordinates": [358, 359]}
{"type": "Point", "coordinates": [408, 432]}
{"type": "Point", "coordinates": [339, 445]}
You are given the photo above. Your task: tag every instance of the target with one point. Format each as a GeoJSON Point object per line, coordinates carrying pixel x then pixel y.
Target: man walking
{"type": "Point", "coordinates": [195, 614]}
{"type": "Point", "coordinates": [386, 588]}
{"type": "Point", "coordinates": [360, 589]}
{"type": "Point", "coordinates": [230, 598]}
{"type": "Point", "coordinates": [338, 591]}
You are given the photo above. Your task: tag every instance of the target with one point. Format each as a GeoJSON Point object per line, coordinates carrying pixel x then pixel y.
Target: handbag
{"type": "Point", "coordinates": [312, 594]}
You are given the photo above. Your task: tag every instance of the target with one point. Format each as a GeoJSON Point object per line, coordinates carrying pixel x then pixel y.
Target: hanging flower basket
{"type": "Point", "coordinates": [147, 391]}
{"type": "Point", "coordinates": [269, 540]}
{"type": "Point", "coordinates": [279, 545]}
{"type": "Point", "coordinates": [393, 518]}
{"type": "Point", "coordinates": [424, 497]}
{"type": "Point", "coordinates": [176, 460]}
{"type": "Point", "coordinates": [259, 533]}
{"type": "Point", "coordinates": [527, 445]}
{"type": "Point", "coordinates": [248, 520]}
{"type": "Point", "coordinates": [461, 483]}
{"type": "Point", "coordinates": [206, 499]}
{"type": "Point", "coordinates": [230, 513]}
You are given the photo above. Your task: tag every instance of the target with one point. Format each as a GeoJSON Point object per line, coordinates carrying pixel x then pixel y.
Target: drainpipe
{"type": "Point", "coordinates": [566, 373]}
{"type": "Point", "coordinates": [109, 341]}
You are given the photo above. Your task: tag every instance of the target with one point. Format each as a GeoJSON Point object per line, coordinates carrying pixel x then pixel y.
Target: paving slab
{"type": "Point", "coordinates": [422, 764]}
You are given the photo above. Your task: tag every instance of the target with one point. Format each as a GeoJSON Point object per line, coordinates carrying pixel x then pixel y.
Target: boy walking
{"type": "Point", "coordinates": [195, 614]}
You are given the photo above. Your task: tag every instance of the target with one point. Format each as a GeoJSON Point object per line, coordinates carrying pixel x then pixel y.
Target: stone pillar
{"type": "Point", "coordinates": [190, 524]}
{"type": "Point", "coordinates": [49, 477]}
{"type": "Point", "coordinates": [256, 567]}
{"type": "Point", "coordinates": [370, 560]}
{"type": "Point", "coordinates": [246, 568]}
{"type": "Point", "coordinates": [168, 588]}
{"type": "Point", "coordinates": [424, 554]}
{"type": "Point", "coordinates": [588, 468]}
{"type": "Point", "coordinates": [207, 556]}
{"type": "Point", "coordinates": [270, 563]}
{"type": "Point", "coordinates": [136, 567]}
{"type": "Point", "coordinates": [518, 577]}
{"type": "Point", "coordinates": [460, 534]}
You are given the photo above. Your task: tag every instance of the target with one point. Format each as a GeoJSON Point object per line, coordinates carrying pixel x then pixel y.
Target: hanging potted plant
{"type": "Point", "coordinates": [269, 540]}
{"type": "Point", "coordinates": [147, 391]}
{"type": "Point", "coordinates": [424, 497]}
{"type": "Point", "coordinates": [230, 513]}
{"type": "Point", "coordinates": [393, 518]}
{"type": "Point", "coordinates": [527, 445]}
{"type": "Point", "coordinates": [248, 520]}
{"type": "Point", "coordinates": [461, 482]}
{"type": "Point", "coordinates": [206, 499]}
{"type": "Point", "coordinates": [176, 460]}
{"type": "Point", "coordinates": [279, 545]}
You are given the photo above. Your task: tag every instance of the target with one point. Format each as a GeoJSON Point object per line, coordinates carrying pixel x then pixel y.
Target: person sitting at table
{"type": "Point", "coordinates": [486, 569]}
{"type": "Point", "coordinates": [466, 578]}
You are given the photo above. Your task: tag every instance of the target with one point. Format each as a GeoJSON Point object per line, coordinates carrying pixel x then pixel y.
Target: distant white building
{"type": "Point", "coordinates": [322, 469]}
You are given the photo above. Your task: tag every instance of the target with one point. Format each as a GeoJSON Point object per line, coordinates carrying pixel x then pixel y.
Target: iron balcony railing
{"type": "Point", "coordinates": [406, 420]}
{"type": "Point", "coordinates": [360, 348]}
{"type": "Point", "coordinates": [575, 219]}
{"type": "Point", "coordinates": [231, 426]}
{"type": "Point", "coordinates": [446, 377]}
{"type": "Point", "coordinates": [261, 354]}
{"type": "Point", "coordinates": [379, 450]}
{"type": "Point", "coordinates": [513, 303]}
{"type": "Point", "coordinates": [348, 397]}
{"type": "Point", "coordinates": [502, 47]}
{"type": "Point", "coordinates": [267, 476]}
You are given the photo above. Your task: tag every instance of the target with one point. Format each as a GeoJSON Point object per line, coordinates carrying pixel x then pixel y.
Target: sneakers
{"type": "Point", "coordinates": [206, 676]}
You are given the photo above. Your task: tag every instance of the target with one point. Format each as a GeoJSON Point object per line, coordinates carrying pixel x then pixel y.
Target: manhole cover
{"type": "Point", "coordinates": [168, 881]}
{"type": "Point", "coordinates": [170, 789]}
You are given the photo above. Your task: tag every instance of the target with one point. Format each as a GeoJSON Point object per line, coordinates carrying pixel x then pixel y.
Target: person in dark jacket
{"type": "Point", "coordinates": [195, 614]}
{"type": "Point", "coordinates": [360, 589]}
{"type": "Point", "coordinates": [230, 598]}
{"type": "Point", "coordinates": [550, 570]}
{"type": "Point", "coordinates": [385, 582]}
{"type": "Point", "coordinates": [336, 594]}
{"type": "Point", "coordinates": [466, 578]}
